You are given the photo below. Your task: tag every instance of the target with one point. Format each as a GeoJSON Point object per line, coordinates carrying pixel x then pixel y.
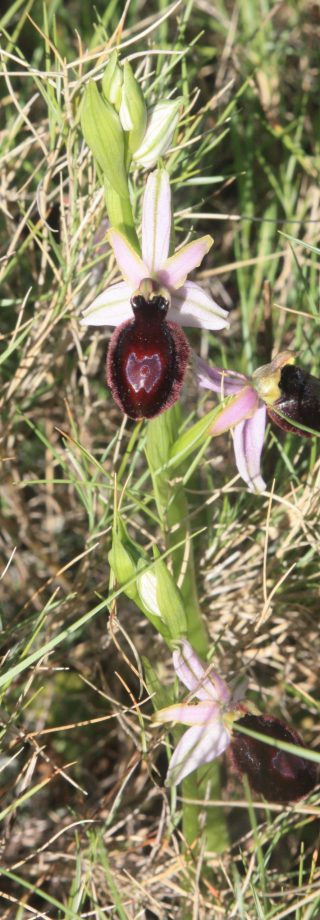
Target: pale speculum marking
{"type": "Point", "coordinates": [143, 373]}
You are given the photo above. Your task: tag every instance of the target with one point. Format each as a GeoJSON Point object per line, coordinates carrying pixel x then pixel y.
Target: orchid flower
{"type": "Point", "coordinates": [210, 718]}
{"type": "Point", "coordinates": [148, 352]}
{"type": "Point", "coordinates": [268, 390]}
{"type": "Point", "coordinates": [190, 304]}
{"type": "Point", "coordinates": [276, 773]}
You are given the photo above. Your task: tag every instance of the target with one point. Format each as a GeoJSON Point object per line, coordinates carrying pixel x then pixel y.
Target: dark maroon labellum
{"type": "Point", "coordinates": [147, 357]}
{"type": "Point", "coordinates": [299, 401]}
{"type": "Point", "coordinates": [276, 774]}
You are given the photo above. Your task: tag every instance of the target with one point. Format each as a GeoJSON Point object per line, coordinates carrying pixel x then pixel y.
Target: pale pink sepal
{"type": "Point", "coordinates": [174, 271]}
{"type": "Point", "coordinates": [191, 306]}
{"type": "Point", "coordinates": [131, 265]}
{"type": "Point", "coordinates": [226, 383]}
{"type": "Point", "coordinates": [187, 714]}
{"type": "Point", "coordinates": [202, 681]}
{"type": "Point", "coordinates": [240, 407]}
{"type": "Point", "coordinates": [198, 746]}
{"type": "Point", "coordinates": [111, 307]}
{"type": "Point", "coordinates": [156, 220]}
{"type": "Point", "coordinates": [248, 438]}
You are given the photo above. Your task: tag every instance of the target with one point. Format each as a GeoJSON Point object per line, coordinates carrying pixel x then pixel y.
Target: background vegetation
{"type": "Point", "coordinates": [88, 829]}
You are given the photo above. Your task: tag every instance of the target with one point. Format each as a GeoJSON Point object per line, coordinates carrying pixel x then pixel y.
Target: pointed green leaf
{"type": "Point", "coordinates": [192, 439]}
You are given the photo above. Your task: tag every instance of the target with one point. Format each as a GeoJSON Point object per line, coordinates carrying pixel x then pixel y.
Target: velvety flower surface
{"type": "Point", "coordinates": [189, 305]}
{"type": "Point", "coordinates": [246, 413]}
{"type": "Point", "coordinates": [277, 774]}
{"type": "Point", "coordinates": [298, 407]}
{"type": "Point", "coordinates": [209, 734]}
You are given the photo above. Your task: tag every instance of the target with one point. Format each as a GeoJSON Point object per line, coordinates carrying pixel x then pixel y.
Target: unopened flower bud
{"type": "Point", "coordinates": [103, 133]}
{"type": "Point", "coordinates": [162, 123]}
{"type": "Point", "coordinates": [147, 589]}
{"type": "Point", "coordinates": [112, 81]}
{"type": "Point", "coordinates": [133, 111]}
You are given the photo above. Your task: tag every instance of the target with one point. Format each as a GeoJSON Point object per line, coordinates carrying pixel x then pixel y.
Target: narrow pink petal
{"type": "Point", "coordinates": [248, 438]}
{"type": "Point", "coordinates": [221, 381]}
{"type": "Point", "coordinates": [175, 270]}
{"type": "Point", "coordinates": [156, 220]}
{"type": "Point", "coordinates": [188, 714]}
{"type": "Point", "coordinates": [198, 746]}
{"type": "Point", "coordinates": [131, 265]}
{"type": "Point", "coordinates": [192, 306]}
{"type": "Point", "coordinates": [216, 687]}
{"type": "Point", "coordinates": [199, 679]}
{"type": "Point", "coordinates": [110, 308]}
{"type": "Point", "coordinates": [240, 407]}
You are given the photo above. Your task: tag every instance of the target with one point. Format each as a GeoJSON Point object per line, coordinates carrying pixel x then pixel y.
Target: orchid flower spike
{"type": "Point", "coordinates": [148, 351]}
{"type": "Point", "coordinates": [289, 395]}
{"type": "Point", "coordinates": [210, 719]}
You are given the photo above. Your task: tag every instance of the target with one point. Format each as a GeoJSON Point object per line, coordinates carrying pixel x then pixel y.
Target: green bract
{"type": "Point", "coordinates": [103, 133]}
{"type": "Point", "coordinates": [149, 584]}
{"type": "Point", "coordinates": [159, 594]}
{"type": "Point", "coordinates": [123, 563]}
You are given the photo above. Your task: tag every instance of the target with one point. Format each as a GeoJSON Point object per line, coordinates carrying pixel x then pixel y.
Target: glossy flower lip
{"type": "Point", "coordinates": [245, 414]}
{"type": "Point", "coordinates": [190, 305]}
{"type": "Point", "coordinates": [209, 733]}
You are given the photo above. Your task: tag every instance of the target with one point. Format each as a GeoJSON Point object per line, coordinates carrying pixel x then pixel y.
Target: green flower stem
{"type": "Point", "coordinates": [203, 786]}
{"type": "Point", "coordinates": [173, 512]}
{"type": "Point", "coordinates": [129, 451]}
{"type": "Point", "coordinates": [120, 214]}
{"type": "Point", "coordinates": [172, 508]}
